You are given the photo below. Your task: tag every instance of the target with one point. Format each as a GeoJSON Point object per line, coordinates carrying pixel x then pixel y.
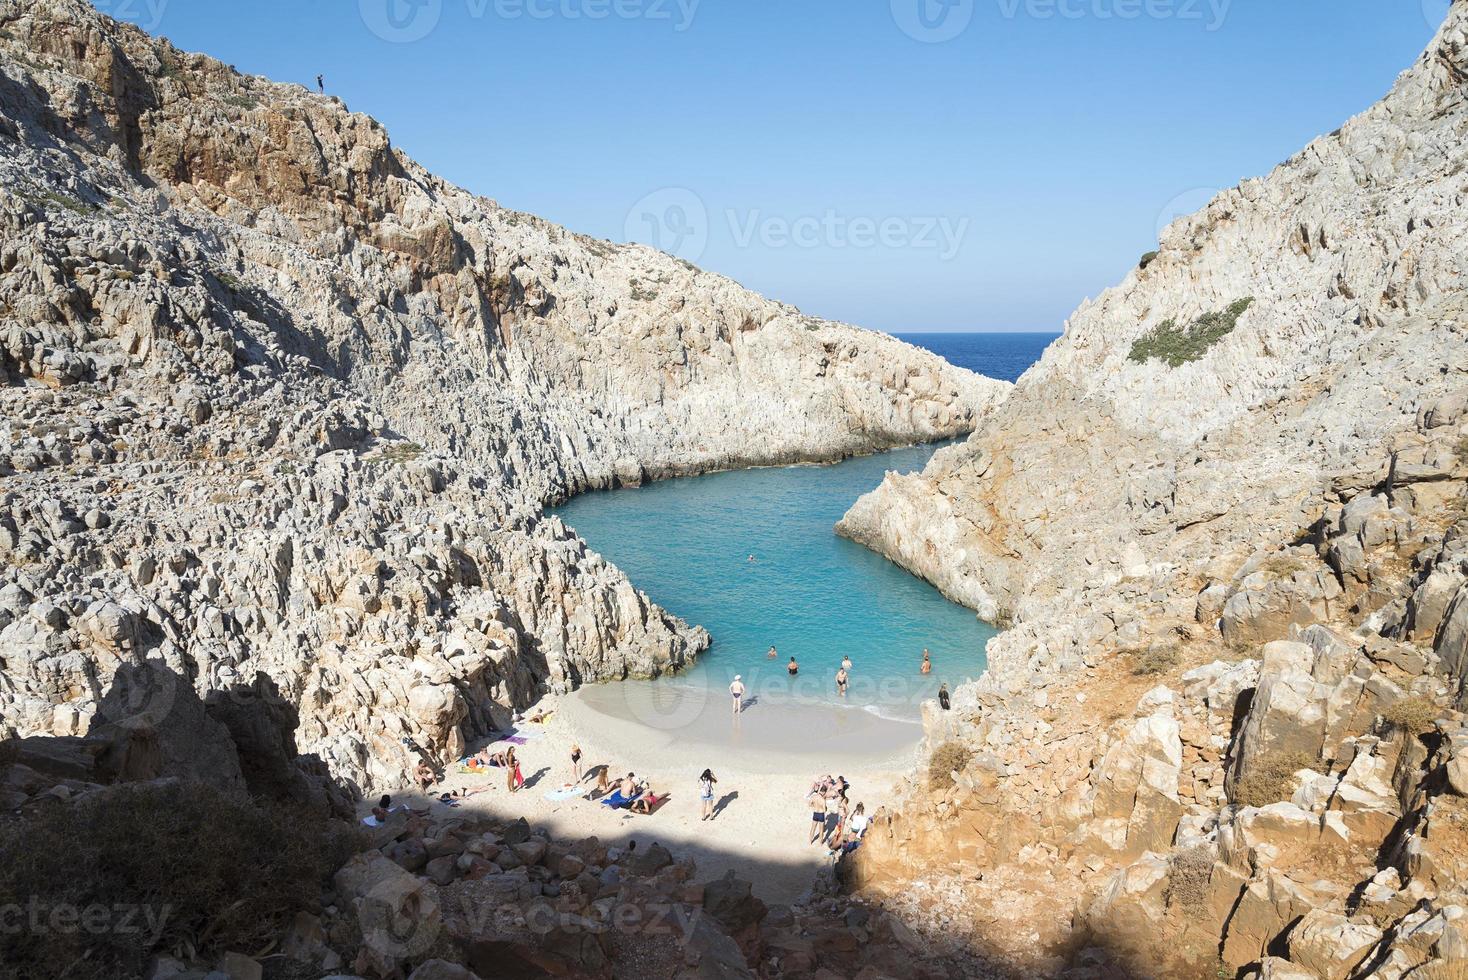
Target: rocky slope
{"type": "Point", "coordinates": [1224, 515]}
{"type": "Point", "coordinates": [277, 400]}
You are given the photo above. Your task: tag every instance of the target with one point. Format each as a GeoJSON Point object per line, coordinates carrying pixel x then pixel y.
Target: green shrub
{"type": "Point", "coordinates": [1272, 778]}
{"type": "Point", "coordinates": [1147, 259]}
{"type": "Point", "coordinates": [400, 452]}
{"type": "Point", "coordinates": [1158, 658]}
{"type": "Point", "coordinates": [107, 882]}
{"type": "Point", "coordinates": [948, 758]}
{"type": "Point", "coordinates": [1177, 345]}
{"type": "Point", "coordinates": [240, 101]}
{"type": "Point", "coordinates": [1192, 869]}
{"type": "Point", "coordinates": [1414, 715]}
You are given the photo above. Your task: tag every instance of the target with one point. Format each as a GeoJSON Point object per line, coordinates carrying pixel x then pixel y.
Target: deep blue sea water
{"type": "Point", "coordinates": [999, 355]}
{"type": "Point", "coordinates": [809, 593]}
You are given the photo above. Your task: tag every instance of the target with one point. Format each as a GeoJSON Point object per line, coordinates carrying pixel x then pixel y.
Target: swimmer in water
{"type": "Point", "coordinates": [927, 662]}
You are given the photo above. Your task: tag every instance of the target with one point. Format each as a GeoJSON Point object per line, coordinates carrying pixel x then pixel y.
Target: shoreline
{"type": "Point", "coordinates": [762, 824]}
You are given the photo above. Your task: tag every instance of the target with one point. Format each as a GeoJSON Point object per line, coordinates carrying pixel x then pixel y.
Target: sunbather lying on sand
{"type": "Point", "coordinates": [646, 802]}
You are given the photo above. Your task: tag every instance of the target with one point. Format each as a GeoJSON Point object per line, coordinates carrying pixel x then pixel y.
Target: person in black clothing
{"type": "Point", "coordinates": [943, 696]}
{"type": "Point", "coordinates": [794, 667]}
{"type": "Point", "coordinates": [320, 84]}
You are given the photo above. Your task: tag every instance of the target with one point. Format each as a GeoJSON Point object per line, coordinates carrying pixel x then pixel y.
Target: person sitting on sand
{"type": "Point", "coordinates": [602, 787]}
{"type": "Point", "coordinates": [424, 775]}
{"type": "Point", "coordinates": [841, 682]}
{"type": "Point", "coordinates": [793, 667]}
{"type": "Point", "coordinates": [627, 786]}
{"type": "Point", "coordinates": [927, 662]}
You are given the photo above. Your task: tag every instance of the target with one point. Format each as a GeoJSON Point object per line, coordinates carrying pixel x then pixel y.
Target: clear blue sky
{"type": "Point", "coordinates": [836, 154]}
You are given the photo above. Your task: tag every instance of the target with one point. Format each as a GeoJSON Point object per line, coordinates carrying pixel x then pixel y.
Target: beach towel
{"type": "Point", "coordinates": [617, 801]}
{"type": "Point", "coordinates": [566, 792]}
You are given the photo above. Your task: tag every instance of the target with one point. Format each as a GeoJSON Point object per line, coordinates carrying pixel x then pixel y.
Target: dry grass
{"type": "Point", "coordinates": [1442, 970]}
{"type": "Point", "coordinates": [1461, 451]}
{"type": "Point", "coordinates": [1159, 658]}
{"type": "Point", "coordinates": [1414, 715]}
{"type": "Point", "coordinates": [1192, 869]}
{"type": "Point", "coordinates": [189, 866]}
{"type": "Point", "coordinates": [1272, 778]}
{"type": "Point", "coordinates": [1283, 566]}
{"type": "Point", "coordinates": [948, 758]}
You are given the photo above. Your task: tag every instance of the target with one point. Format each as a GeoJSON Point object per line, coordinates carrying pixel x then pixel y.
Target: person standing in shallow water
{"type": "Point", "coordinates": [841, 682]}
{"type": "Point", "coordinates": [793, 667]}
{"type": "Point", "coordinates": [736, 689]}
{"type": "Point", "coordinates": [772, 654]}
{"type": "Point", "coordinates": [943, 697]}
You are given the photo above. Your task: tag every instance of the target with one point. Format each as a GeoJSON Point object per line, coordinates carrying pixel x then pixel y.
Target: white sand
{"type": "Point", "coordinates": [764, 764]}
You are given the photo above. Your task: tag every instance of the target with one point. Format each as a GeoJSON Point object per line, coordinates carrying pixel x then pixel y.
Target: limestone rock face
{"type": "Point", "coordinates": [1224, 522]}
{"type": "Point", "coordinates": [1110, 474]}
{"type": "Point", "coordinates": [278, 401]}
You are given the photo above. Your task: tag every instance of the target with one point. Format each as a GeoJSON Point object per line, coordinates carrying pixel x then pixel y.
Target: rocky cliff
{"type": "Point", "coordinates": [1224, 516]}
{"type": "Point", "coordinates": [276, 400]}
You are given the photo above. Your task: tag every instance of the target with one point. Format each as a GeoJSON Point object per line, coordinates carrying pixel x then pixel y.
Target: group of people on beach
{"type": "Point", "coordinates": [833, 822]}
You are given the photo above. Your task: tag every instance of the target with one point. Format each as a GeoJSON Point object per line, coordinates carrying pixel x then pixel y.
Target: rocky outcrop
{"type": "Point", "coordinates": [1224, 516]}
{"type": "Point", "coordinates": [278, 401]}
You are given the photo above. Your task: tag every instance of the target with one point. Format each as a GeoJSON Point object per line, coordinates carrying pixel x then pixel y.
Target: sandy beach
{"type": "Point", "coordinates": [764, 764]}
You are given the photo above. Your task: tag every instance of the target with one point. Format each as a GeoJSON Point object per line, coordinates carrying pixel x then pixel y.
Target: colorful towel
{"type": "Point", "coordinates": [617, 801]}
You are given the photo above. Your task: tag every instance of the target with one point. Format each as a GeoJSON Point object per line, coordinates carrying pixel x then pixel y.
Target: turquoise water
{"type": "Point", "coordinates": [809, 593]}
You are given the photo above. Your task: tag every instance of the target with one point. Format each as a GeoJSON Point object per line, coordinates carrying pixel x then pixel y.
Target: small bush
{"type": "Point", "coordinates": [948, 758]}
{"type": "Point", "coordinates": [1192, 868]}
{"type": "Point", "coordinates": [1414, 715]}
{"type": "Point", "coordinates": [1461, 451]}
{"type": "Point", "coordinates": [1147, 260]}
{"type": "Point", "coordinates": [400, 452]}
{"type": "Point", "coordinates": [1156, 659]}
{"type": "Point", "coordinates": [240, 101]}
{"type": "Point", "coordinates": [159, 868]}
{"type": "Point", "coordinates": [1282, 566]}
{"type": "Point", "coordinates": [1272, 778]}
{"type": "Point", "coordinates": [1182, 345]}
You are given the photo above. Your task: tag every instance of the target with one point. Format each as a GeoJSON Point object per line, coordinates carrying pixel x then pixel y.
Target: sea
{"type": "Point", "coordinates": [752, 556]}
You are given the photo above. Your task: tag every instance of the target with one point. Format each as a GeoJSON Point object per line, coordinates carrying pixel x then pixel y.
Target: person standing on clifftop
{"type": "Point", "coordinates": [943, 697]}
{"type": "Point", "coordinates": [320, 84]}
{"type": "Point", "coordinates": [737, 690]}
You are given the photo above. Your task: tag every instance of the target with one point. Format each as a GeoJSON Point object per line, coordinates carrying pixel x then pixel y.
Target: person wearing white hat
{"type": "Point", "coordinates": [737, 690]}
